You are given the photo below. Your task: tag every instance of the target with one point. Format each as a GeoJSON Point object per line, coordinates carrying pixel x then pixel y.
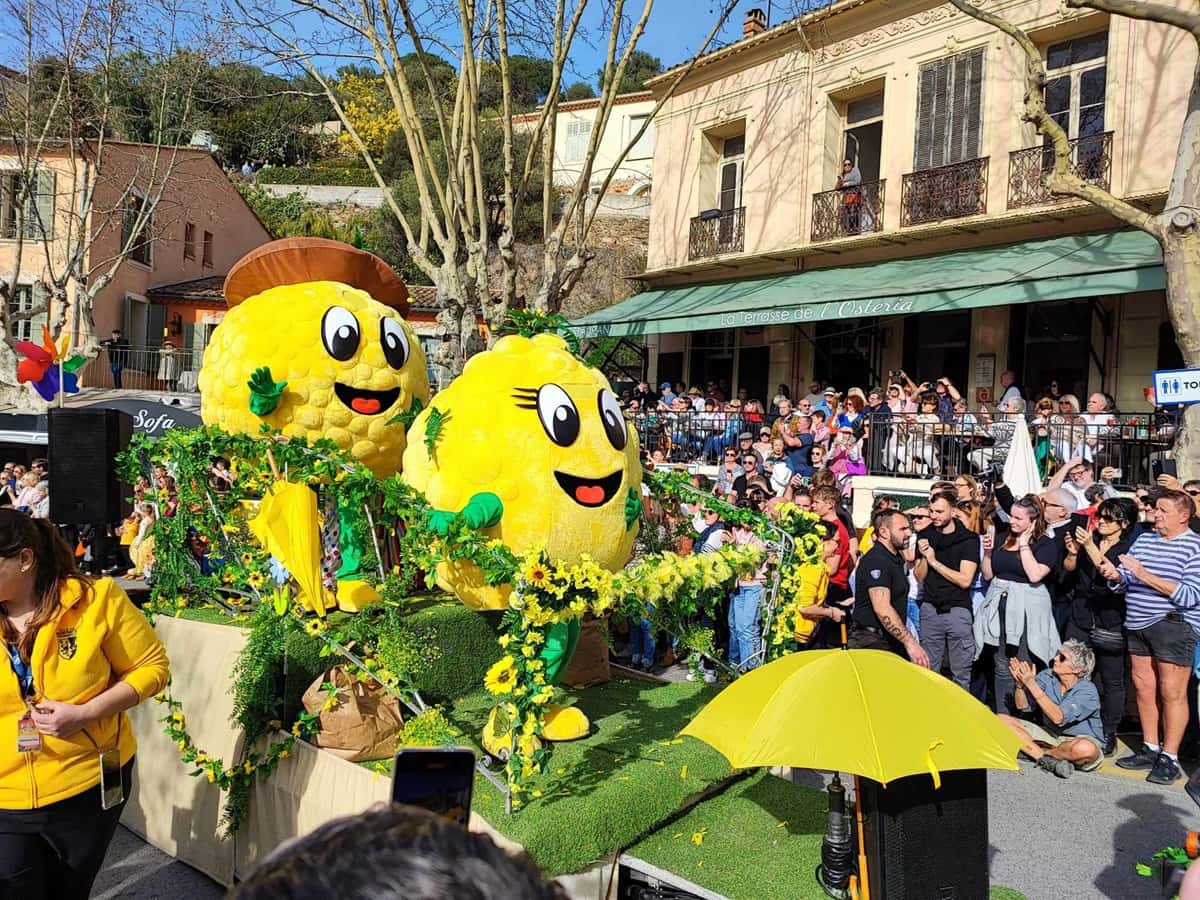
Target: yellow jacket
{"type": "Point", "coordinates": [90, 645]}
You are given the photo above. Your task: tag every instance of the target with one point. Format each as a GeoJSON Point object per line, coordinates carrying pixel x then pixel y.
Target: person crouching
{"type": "Point", "coordinates": [1067, 703]}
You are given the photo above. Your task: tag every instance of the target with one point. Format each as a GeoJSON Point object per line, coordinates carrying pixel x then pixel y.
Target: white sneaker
{"type": "Point", "coordinates": [710, 677]}
{"type": "Point", "coordinates": [691, 676]}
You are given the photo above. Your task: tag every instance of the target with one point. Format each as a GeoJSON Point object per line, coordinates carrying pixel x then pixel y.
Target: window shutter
{"type": "Point", "coordinates": [969, 73]}
{"type": "Point", "coordinates": [932, 104]}
{"type": "Point", "coordinates": [156, 324]}
{"type": "Point", "coordinates": [45, 195]}
{"type": "Point", "coordinates": [730, 186]}
{"type": "Point", "coordinates": [33, 326]}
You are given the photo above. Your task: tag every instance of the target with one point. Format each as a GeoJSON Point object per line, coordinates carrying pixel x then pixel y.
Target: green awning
{"type": "Point", "coordinates": [1065, 268]}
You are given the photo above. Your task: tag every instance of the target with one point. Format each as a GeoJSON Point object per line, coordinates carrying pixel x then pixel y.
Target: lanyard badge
{"type": "Point", "coordinates": [29, 739]}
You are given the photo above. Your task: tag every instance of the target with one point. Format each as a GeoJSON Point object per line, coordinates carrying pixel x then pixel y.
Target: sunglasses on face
{"type": "Point", "coordinates": [1193, 493]}
{"type": "Point", "coordinates": [918, 515]}
{"type": "Point", "coordinates": [1105, 517]}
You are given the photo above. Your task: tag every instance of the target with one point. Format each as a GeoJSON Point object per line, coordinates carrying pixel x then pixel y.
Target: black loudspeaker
{"type": "Point", "coordinates": [927, 844]}
{"type": "Point", "coordinates": [83, 448]}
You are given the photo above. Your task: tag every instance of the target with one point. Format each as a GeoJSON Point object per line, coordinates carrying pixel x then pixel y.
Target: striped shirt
{"type": "Point", "coordinates": [1177, 560]}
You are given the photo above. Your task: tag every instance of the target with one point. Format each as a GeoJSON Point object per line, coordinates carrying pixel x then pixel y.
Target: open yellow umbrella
{"type": "Point", "coordinates": [863, 711]}
{"type": "Point", "coordinates": [289, 529]}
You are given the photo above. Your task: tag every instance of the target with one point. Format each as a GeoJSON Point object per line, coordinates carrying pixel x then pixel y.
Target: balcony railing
{"type": "Point", "coordinates": [848, 211]}
{"type": "Point", "coordinates": [947, 192]}
{"type": "Point", "coordinates": [1091, 160]}
{"type": "Point", "coordinates": [714, 233]}
{"type": "Point", "coordinates": [145, 369]}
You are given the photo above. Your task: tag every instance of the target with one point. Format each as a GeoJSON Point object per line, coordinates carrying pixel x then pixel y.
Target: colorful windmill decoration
{"type": "Point", "coordinates": [48, 368]}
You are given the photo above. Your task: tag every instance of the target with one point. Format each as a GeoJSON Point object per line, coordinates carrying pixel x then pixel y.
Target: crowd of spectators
{"type": "Point", "coordinates": [902, 427]}
{"type": "Point", "coordinates": [1036, 604]}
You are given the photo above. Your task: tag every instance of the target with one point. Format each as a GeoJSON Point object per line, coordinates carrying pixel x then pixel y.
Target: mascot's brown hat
{"type": "Point", "coordinates": [298, 260]}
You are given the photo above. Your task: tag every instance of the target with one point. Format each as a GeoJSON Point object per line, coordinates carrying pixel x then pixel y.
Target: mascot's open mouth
{"type": "Point", "coordinates": [369, 403]}
{"type": "Point", "coordinates": [587, 491]}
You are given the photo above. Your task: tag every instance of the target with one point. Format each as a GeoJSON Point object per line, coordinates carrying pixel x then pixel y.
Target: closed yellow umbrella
{"type": "Point", "coordinates": [288, 527]}
{"type": "Point", "coordinates": [863, 711]}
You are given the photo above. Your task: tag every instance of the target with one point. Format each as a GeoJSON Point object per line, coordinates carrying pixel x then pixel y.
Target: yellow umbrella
{"type": "Point", "coordinates": [863, 711]}
{"type": "Point", "coordinates": [288, 528]}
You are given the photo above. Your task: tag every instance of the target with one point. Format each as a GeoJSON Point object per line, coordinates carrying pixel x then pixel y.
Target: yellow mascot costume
{"type": "Point", "coordinates": [529, 444]}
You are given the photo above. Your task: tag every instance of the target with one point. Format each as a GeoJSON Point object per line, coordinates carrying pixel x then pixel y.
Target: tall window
{"type": "Point", "coordinates": [578, 135]}
{"type": "Point", "coordinates": [38, 218]}
{"type": "Point", "coordinates": [949, 110]}
{"type": "Point", "coordinates": [729, 186]}
{"type": "Point", "coordinates": [140, 246]}
{"type": "Point", "coordinates": [207, 259]}
{"type": "Point", "coordinates": [1075, 84]}
{"type": "Point", "coordinates": [22, 301]}
{"type": "Point", "coordinates": [644, 148]}
{"type": "Point", "coordinates": [189, 240]}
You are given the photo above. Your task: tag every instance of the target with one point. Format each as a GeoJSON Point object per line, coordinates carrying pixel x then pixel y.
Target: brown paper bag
{"type": "Point", "coordinates": [364, 723]}
{"type": "Point", "coordinates": [589, 663]}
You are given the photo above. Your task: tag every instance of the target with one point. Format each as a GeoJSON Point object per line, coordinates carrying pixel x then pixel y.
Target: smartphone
{"type": "Point", "coordinates": [1162, 467]}
{"type": "Point", "coordinates": [438, 779]}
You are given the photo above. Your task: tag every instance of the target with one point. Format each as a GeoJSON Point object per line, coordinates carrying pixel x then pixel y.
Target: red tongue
{"type": "Point", "coordinates": [590, 494]}
{"type": "Point", "coordinates": [366, 405]}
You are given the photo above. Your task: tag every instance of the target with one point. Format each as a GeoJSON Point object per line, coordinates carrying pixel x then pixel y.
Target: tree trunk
{"type": "Point", "coordinates": [1181, 262]}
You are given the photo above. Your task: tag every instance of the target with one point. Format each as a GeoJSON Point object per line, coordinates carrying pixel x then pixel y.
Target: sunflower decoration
{"type": "Point", "coordinates": [314, 627]}
{"type": "Point", "coordinates": [501, 677]}
{"type": "Point", "coordinates": [256, 580]}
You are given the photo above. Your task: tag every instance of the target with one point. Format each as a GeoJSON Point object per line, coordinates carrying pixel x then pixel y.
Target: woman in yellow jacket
{"type": "Point", "coordinates": [79, 654]}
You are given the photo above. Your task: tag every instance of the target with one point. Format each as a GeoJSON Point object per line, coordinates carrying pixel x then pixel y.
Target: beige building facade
{"type": "Point", "coordinates": [942, 253]}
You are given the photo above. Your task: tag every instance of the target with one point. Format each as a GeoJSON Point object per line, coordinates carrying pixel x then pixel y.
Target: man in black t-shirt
{"type": "Point", "coordinates": [947, 560]}
{"type": "Point", "coordinates": [881, 591]}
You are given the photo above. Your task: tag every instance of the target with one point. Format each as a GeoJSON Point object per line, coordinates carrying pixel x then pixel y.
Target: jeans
{"type": "Point", "coordinates": [1109, 678]}
{"type": "Point", "coordinates": [743, 624]}
{"type": "Point", "coordinates": [1003, 682]}
{"type": "Point", "coordinates": [949, 636]}
{"type": "Point", "coordinates": [116, 374]}
{"type": "Point", "coordinates": [641, 642]}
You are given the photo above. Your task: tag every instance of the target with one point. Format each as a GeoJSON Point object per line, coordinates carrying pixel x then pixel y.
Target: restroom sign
{"type": "Point", "coordinates": [1176, 386]}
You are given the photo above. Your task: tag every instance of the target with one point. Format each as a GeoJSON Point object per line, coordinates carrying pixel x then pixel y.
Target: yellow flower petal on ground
{"type": "Point", "coordinates": [683, 772]}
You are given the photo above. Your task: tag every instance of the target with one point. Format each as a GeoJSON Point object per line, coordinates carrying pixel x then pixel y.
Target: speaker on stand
{"type": "Point", "coordinates": [924, 842]}
{"type": "Point", "coordinates": [82, 453]}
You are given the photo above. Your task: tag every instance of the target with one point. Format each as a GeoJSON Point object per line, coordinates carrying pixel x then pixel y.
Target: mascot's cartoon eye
{"type": "Point", "coordinates": [339, 331]}
{"type": "Point", "coordinates": [559, 416]}
{"type": "Point", "coordinates": [614, 422]}
{"type": "Point", "coordinates": [395, 342]}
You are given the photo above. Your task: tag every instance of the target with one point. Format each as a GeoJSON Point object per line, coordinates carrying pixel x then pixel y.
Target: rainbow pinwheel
{"type": "Point", "coordinates": [42, 365]}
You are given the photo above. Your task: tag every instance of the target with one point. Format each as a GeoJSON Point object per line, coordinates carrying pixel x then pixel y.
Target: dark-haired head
{"type": "Point", "coordinates": [34, 561]}
{"type": "Point", "coordinates": [1121, 511]}
{"type": "Point", "coordinates": [410, 853]}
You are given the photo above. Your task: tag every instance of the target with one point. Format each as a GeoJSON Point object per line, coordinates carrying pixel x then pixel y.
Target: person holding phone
{"type": "Point", "coordinates": [81, 655]}
{"type": "Point", "coordinates": [1097, 615]}
{"type": "Point", "coordinates": [1016, 620]}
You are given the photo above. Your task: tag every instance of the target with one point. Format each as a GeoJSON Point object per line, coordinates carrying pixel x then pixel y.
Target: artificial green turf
{"type": "Point", "coordinates": [466, 640]}
{"type": "Point", "coordinates": [760, 839]}
{"type": "Point", "coordinates": [606, 791]}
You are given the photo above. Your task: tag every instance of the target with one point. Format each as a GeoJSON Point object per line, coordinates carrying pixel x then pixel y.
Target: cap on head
{"type": "Point", "coordinates": [300, 260]}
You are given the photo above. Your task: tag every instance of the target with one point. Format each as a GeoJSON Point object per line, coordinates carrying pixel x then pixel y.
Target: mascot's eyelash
{"type": "Point", "coordinates": [526, 397]}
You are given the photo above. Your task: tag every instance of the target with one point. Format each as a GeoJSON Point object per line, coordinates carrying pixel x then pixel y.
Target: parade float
{"type": "Point", "coordinates": [344, 547]}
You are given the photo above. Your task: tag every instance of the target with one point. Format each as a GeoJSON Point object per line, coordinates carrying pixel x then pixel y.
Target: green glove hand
{"type": "Point", "coordinates": [440, 521]}
{"type": "Point", "coordinates": [633, 507]}
{"type": "Point", "coordinates": [264, 391]}
{"type": "Point", "coordinates": [483, 510]}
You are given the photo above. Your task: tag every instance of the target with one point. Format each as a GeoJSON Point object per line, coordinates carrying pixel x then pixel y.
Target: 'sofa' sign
{"type": "Point", "coordinates": [153, 419]}
{"type": "Point", "coordinates": [813, 312]}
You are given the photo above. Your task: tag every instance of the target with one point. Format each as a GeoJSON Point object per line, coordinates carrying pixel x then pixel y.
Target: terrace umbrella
{"type": "Point", "coordinates": [288, 527]}
{"type": "Point", "coordinates": [1021, 473]}
{"type": "Point", "coordinates": [868, 712]}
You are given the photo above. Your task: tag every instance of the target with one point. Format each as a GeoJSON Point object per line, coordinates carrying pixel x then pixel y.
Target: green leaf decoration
{"type": "Point", "coordinates": [433, 428]}
{"type": "Point", "coordinates": [633, 507]}
{"type": "Point", "coordinates": [528, 322]}
{"type": "Point", "coordinates": [1144, 870]}
{"type": "Point", "coordinates": [408, 416]}
{"type": "Point", "coordinates": [281, 603]}
{"type": "Point", "coordinates": [74, 364]}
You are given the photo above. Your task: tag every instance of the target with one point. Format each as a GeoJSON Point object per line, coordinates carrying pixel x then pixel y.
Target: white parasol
{"type": "Point", "coordinates": [1020, 467]}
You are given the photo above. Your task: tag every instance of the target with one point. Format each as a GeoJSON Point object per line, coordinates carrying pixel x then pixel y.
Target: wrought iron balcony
{"type": "Point", "coordinates": [847, 211]}
{"type": "Point", "coordinates": [947, 192]}
{"type": "Point", "coordinates": [1091, 160]}
{"type": "Point", "coordinates": [714, 233]}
